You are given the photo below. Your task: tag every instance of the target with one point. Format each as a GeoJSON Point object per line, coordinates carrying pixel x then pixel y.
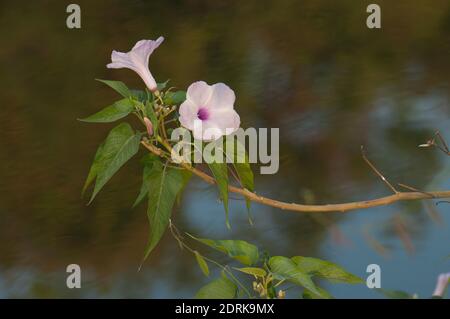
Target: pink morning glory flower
{"type": "Point", "coordinates": [209, 111]}
{"type": "Point", "coordinates": [137, 60]}
{"type": "Point", "coordinates": [441, 286]}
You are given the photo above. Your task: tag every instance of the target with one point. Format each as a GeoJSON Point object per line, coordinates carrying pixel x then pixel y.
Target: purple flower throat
{"type": "Point", "coordinates": [203, 114]}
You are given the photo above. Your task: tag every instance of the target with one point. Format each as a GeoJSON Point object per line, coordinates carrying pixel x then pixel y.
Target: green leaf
{"type": "Point", "coordinates": [245, 175]}
{"type": "Point", "coordinates": [220, 173]}
{"type": "Point", "coordinates": [139, 95]}
{"type": "Point", "coordinates": [236, 151]}
{"type": "Point", "coordinates": [162, 86]}
{"type": "Point", "coordinates": [117, 86]}
{"type": "Point", "coordinates": [308, 294]}
{"type": "Point", "coordinates": [175, 98]}
{"type": "Point", "coordinates": [394, 294]}
{"type": "Point", "coordinates": [94, 168]}
{"type": "Point", "coordinates": [221, 288]}
{"type": "Point", "coordinates": [255, 271]}
{"type": "Point", "coordinates": [202, 263]}
{"type": "Point", "coordinates": [186, 177]}
{"type": "Point", "coordinates": [111, 113]}
{"type": "Point", "coordinates": [165, 184]}
{"type": "Point", "coordinates": [242, 166]}
{"type": "Point", "coordinates": [240, 250]}
{"type": "Point", "coordinates": [284, 268]}
{"type": "Point", "coordinates": [325, 269]}
{"type": "Point", "coordinates": [120, 145]}
{"type": "Point", "coordinates": [148, 162]}
{"type": "Point", "coordinates": [271, 291]}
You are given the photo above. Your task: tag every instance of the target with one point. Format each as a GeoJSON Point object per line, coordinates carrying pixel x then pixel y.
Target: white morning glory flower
{"type": "Point", "coordinates": [209, 111]}
{"type": "Point", "coordinates": [137, 60]}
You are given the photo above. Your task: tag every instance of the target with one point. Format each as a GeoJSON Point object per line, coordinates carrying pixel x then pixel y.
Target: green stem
{"type": "Point", "coordinates": [178, 238]}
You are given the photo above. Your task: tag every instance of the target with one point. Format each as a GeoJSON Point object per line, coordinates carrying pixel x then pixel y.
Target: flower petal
{"type": "Point", "coordinates": [206, 131]}
{"type": "Point", "coordinates": [211, 132]}
{"type": "Point", "coordinates": [199, 93]}
{"type": "Point", "coordinates": [154, 43]}
{"type": "Point", "coordinates": [119, 60]}
{"type": "Point", "coordinates": [226, 119]}
{"type": "Point", "coordinates": [144, 48]}
{"type": "Point", "coordinates": [221, 97]}
{"type": "Point", "coordinates": [188, 114]}
{"type": "Point", "coordinates": [218, 100]}
{"type": "Point", "coordinates": [223, 122]}
{"type": "Point", "coordinates": [137, 60]}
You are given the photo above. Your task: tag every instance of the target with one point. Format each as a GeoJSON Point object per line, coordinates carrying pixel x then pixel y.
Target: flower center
{"type": "Point", "coordinates": [203, 114]}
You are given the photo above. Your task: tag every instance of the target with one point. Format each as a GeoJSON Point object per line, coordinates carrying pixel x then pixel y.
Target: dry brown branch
{"type": "Point", "coordinates": [440, 144]}
{"type": "Point", "coordinates": [344, 207]}
{"type": "Point", "coordinates": [377, 171]}
{"type": "Point", "coordinates": [415, 189]}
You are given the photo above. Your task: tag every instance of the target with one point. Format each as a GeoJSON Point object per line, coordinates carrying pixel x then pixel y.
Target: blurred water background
{"type": "Point", "coordinates": [311, 68]}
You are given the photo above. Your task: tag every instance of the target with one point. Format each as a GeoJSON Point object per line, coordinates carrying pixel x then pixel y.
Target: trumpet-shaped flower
{"type": "Point", "coordinates": [209, 111]}
{"type": "Point", "coordinates": [137, 60]}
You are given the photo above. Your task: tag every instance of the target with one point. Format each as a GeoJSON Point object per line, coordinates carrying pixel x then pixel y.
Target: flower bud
{"type": "Point", "coordinates": [149, 126]}
{"type": "Point", "coordinates": [281, 294]}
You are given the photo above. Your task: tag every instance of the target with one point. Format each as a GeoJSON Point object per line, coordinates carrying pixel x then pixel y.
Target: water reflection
{"type": "Point", "coordinates": [308, 67]}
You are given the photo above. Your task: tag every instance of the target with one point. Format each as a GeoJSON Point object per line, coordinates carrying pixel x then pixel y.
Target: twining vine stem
{"type": "Point", "coordinates": [397, 196]}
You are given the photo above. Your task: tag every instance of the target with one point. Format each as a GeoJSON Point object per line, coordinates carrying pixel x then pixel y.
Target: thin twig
{"type": "Point", "coordinates": [377, 171]}
{"type": "Point", "coordinates": [179, 238]}
{"type": "Point", "coordinates": [445, 146]}
{"type": "Point", "coordinates": [432, 143]}
{"type": "Point", "coordinates": [415, 189]}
